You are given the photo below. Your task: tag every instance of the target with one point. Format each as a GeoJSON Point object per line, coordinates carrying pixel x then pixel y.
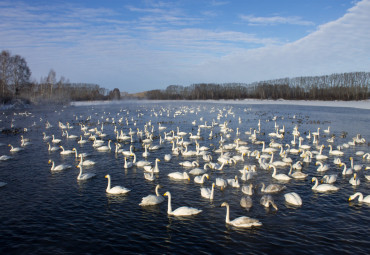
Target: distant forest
{"type": "Point", "coordinates": [345, 86]}
{"type": "Point", "coordinates": [16, 83]}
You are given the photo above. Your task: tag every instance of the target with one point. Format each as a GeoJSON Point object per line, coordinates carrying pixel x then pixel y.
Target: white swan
{"type": "Point", "coordinates": [280, 177]}
{"type": "Point", "coordinates": [58, 167]}
{"type": "Point", "coordinates": [5, 157]}
{"type": "Point", "coordinates": [81, 141]}
{"type": "Point", "coordinates": [154, 169]}
{"type": "Point", "coordinates": [335, 152]}
{"type": "Point", "coordinates": [215, 166]}
{"type": "Point", "coordinates": [355, 181]}
{"type": "Point", "coordinates": [329, 178]}
{"type": "Point", "coordinates": [355, 167]}
{"type": "Point", "coordinates": [55, 140]}
{"type": "Point", "coordinates": [52, 148]}
{"type": "Point", "coordinates": [181, 211]}
{"type": "Point", "coordinates": [86, 162]}
{"type": "Point", "coordinates": [322, 167]}
{"type": "Point", "coordinates": [207, 192]}
{"type": "Point", "coordinates": [248, 189]}
{"type": "Point", "coordinates": [77, 155]}
{"type": "Point", "coordinates": [197, 171]}
{"type": "Point", "coordinates": [293, 199]}
{"type": "Point", "coordinates": [85, 176]}
{"type": "Point", "coordinates": [179, 176]}
{"type": "Point", "coordinates": [45, 137]}
{"type": "Point", "coordinates": [360, 197]}
{"type": "Point", "coordinates": [140, 163]}
{"type": "Point", "coordinates": [323, 187]}
{"type": "Point", "coordinates": [267, 200]}
{"type": "Point", "coordinates": [167, 157]}
{"type": "Point", "coordinates": [233, 182]}
{"type": "Point", "coordinates": [297, 174]}
{"type": "Point", "coordinates": [149, 176]}
{"type": "Point", "coordinates": [105, 148]}
{"type": "Point", "coordinates": [15, 149]}
{"type": "Point", "coordinates": [66, 152]}
{"type": "Point", "coordinates": [320, 156]}
{"type": "Point", "coordinates": [221, 183]}
{"type": "Point", "coordinates": [189, 164]}
{"type": "Point", "coordinates": [71, 136]}
{"type": "Point", "coordinates": [146, 153]}
{"type": "Point", "coordinates": [246, 202]}
{"type": "Point", "coordinates": [116, 189]}
{"type": "Point", "coordinates": [346, 171]}
{"type": "Point", "coordinates": [240, 222]}
{"type": "Point", "coordinates": [272, 188]}
{"type": "Point", "coordinates": [127, 164]}
{"type": "Point", "coordinates": [152, 199]}
{"type": "Point", "coordinates": [200, 179]}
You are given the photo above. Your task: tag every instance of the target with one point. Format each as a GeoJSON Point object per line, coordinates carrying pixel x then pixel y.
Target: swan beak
{"type": "Point", "coordinates": [165, 194]}
{"type": "Point", "coordinates": [106, 176]}
{"type": "Point", "coordinates": [49, 161]}
{"type": "Point", "coordinates": [188, 179]}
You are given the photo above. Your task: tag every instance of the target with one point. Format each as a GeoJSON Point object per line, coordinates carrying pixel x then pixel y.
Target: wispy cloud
{"type": "Point", "coordinates": [219, 3]}
{"type": "Point", "coordinates": [275, 20]}
{"type": "Point", "coordinates": [159, 43]}
{"type": "Point", "coordinates": [338, 46]}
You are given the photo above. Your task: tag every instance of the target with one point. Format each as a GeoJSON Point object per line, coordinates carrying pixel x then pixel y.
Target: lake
{"type": "Point", "coordinates": [44, 211]}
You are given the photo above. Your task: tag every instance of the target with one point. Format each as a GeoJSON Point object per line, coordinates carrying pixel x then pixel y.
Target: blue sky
{"type": "Point", "coordinates": [139, 45]}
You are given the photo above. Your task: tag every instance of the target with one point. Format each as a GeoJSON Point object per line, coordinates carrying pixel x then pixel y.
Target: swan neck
{"type": "Point", "coordinates": [212, 192]}
{"type": "Point", "coordinates": [263, 187]}
{"type": "Point", "coordinates": [80, 172]}
{"type": "Point", "coordinates": [169, 210]}
{"type": "Point", "coordinates": [108, 187]}
{"type": "Point", "coordinates": [227, 214]}
{"type": "Point", "coordinates": [316, 184]}
{"type": "Point", "coordinates": [156, 191]}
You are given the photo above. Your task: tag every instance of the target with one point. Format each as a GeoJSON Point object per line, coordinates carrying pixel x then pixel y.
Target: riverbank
{"type": "Point", "coordinates": [364, 104]}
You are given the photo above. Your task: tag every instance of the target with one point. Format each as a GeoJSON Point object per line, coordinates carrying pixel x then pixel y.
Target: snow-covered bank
{"type": "Point", "coordinates": [364, 104]}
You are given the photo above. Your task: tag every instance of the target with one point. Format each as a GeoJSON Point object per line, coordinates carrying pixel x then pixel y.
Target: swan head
{"type": "Point", "coordinates": [49, 161]}
{"type": "Point", "coordinates": [224, 204]}
{"type": "Point", "coordinates": [107, 176]}
{"type": "Point", "coordinates": [166, 194]}
{"type": "Point", "coordinates": [314, 179]}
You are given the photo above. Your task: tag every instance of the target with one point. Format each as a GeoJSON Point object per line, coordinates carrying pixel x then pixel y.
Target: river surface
{"type": "Point", "coordinates": [45, 212]}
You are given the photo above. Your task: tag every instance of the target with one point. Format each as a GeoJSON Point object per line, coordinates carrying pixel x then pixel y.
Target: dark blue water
{"type": "Point", "coordinates": [45, 212]}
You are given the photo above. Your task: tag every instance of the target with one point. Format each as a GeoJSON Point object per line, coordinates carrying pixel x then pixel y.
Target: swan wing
{"type": "Point", "coordinates": [151, 200]}
{"type": "Point", "coordinates": [245, 222]}
{"type": "Point", "coordinates": [118, 190]}
{"type": "Point", "coordinates": [185, 211]}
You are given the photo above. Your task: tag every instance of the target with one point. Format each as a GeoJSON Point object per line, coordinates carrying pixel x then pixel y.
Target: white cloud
{"type": "Point", "coordinates": [274, 20]}
{"type": "Point", "coordinates": [339, 46]}
{"type": "Point", "coordinates": [163, 46]}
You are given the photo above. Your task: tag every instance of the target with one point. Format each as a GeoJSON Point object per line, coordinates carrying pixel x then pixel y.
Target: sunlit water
{"type": "Point", "coordinates": [44, 212]}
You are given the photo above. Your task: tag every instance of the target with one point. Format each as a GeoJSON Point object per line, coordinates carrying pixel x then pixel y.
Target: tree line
{"type": "Point", "coordinates": [344, 86]}
{"type": "Point", "coordinates": [15, 82]}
